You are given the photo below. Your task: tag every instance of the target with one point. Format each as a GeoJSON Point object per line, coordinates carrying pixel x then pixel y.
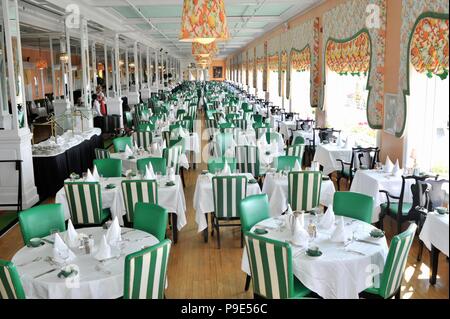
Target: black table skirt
{"type": "Point", "coordinates": [50, 172]}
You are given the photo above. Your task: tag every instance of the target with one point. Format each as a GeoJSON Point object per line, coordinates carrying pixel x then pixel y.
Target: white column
{"type": "Point", "coordinates": [94, 66]}
{"type": "Point", "coordinates": [115, 102]}
{"type": "Point", "coordinates": [52, 65]}
{"type": "Point", "coordinates": [69, 72]}
{"type": "Point", "coordinates": [105, 51]}
{"type": "Point", "coordinates": [136, 66]}
{"type": "Point", "coordinates": [127, 71]}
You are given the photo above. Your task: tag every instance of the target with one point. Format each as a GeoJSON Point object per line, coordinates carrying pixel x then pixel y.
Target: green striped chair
{"type": "Point", "coordinates": [172, 156]}
{"type": "Point", "coordinates": [101, 153]}
{"type": "Point", "coordinates": [143, 139]}
{"type": "Point", "coordinates": [283, 162]}
{"type": "Point", "coordinates": [223, 142]}
{"type": "Point", "coordinates": [38, 221]}
{"type": "Point", "coordinates": [10, 284]}
{"type": "Point", "coordinates": [258, 118]}
{"type": "Point", "coordinates": [109, 167]}
{"type": "Point", "coordinates": [299, 140]}
{"type": "Point", "coordinates": [217, 164]}
{"type": "Point", "coordinates": [158, 163]}
{"type": "Point", "coordinates": [304, 190]}
{"type": "Point", "coordinates": [271, 268]}
{"type": "Point", "coordinates": [129, 120]}
{"type": "Point", "coordinates": [353, 205]}
{"type": "Point", "coordinates": [121, 142]}
{"type": "Point", "coordinates": [146, 126]}
{"type": "Point", "coordinates": [240, 123]}
{"type": "Point", "coordinates": [247, 158]}
{"type": "Point", "coordinates": [228, 192]}
{"type": "Point", "coordinates": [151, 218]}
{"type": "Point", "coordinates": [145, 191]}
{"type": "Point", "coordinates": [248, 115]}
{"type": "Point", "coordinates": [181, 114]}
{"type": "Point", "coordinates": [391, 278]}
{"type": "Point", "coordinates": [85, 203]}
{"type": "Point", "coordinates": [146, 271]}
{"type": "Point", "coordinates": [212, 128]}
{"type": "Point", "coordinates": [297, 151]}
{"type": "Point", "coordinates": [262, 131]}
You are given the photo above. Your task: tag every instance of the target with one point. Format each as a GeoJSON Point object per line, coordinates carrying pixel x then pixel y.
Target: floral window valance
{"type": "Point", "coordinates": [274, 62]}
{"type": "Point", "coordinates": [260, 63]}
{"type": "Point", "coordinates": [349, 57]}
{"type": "Point", "coordinates": [429, 47]}
{"type": "Point", "coordinates": [301, 60]}
{"type": "Point", "coordinates": [284, 61]}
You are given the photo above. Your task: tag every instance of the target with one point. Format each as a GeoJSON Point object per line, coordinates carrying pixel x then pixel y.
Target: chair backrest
{"type": "Point", "coordinates": [151, 218]}
{"type": "Point", "coordinates": [109, 167]}
{"type": "Point", "coordinates": [247, 158]}
{"type": "Point", "coordinates": [212, 127]}
{"type": "Point", "coordinates": [38, 221]}
{"type": "Point", "coordinates": [10, 284]}
{"type": "Point", "coordinates": [353, 205]}
{"type": "Point", "coordinates": [401, 197]}
{"type": "Point", "coordinates": [145, 126]}
{"type": "Point", "coordinates": [101, 153]}
{"type": "Point", "coordinates": [262, 131]}
{"type": "Point", "coordinates": [304, 190]}
{"type": "Point", "coordinates": [364, 157]}
{"type": "Point", "coordinates": [144, 191]}
{"type": "Point", "coordinates": [395, 264]}
{"type": "Point", "coordinates": [253, 210]}
{"type": "Point", "coordinates": [85, 202]}
{"type": "Point", "coordinates": [172, 156]}
{"type": "Point", "coordinates": [296, 150]}
{"type": "Point", "coordinates": [223, 142]}
{"type": "Point", "coordinates": [129, 120]}
{"type": "Point", "coordinates": [158, 163]}
{"type": "Point", "coordinates": [240, 123]}
{"type": "Point", "coordinates": [146, 271]}
{"type": "Point", "coordinates": [228, 192]}
{"type": "Point", "coordinates": [121, 142]}
{"type": "Point", "coordinates": [271, 267]}
{"type": "Point", "coordinates": [218, 163]}
{"type": "Point", "coordinates": [143, 139]}
{"type": "Point", "coordinates": [286, 162]}
{"type": "Point", "coordinates": [298, 140]}
{"type": "Point", "coordinates": [436, 195]}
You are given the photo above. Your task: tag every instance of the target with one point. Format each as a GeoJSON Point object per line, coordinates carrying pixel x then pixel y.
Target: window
{"type": "Point", "coordinates": [300, 94]}
{"type": "Point", "coordinates": [273, 88]}
{"type": "Point", "coordinates": [259, 79]}
{"type": "Point", "coordinates": [250, 81]}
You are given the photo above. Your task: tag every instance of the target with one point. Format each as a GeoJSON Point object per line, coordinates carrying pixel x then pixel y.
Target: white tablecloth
{"type": "Point", "coordinates": [286, 128]}
{"type": "Point", "coordinates": [277, 190]}
{"type": "Point", "coordinates": [370, 182]}
{"type": "Point", "coordinates": [338, 273]}
{"type": "Point", "coordinates": [95, 280]}
{"type": "Point", "coordinates": [204, 201]}
{"type": "Point", "coordinates": [131, 164]}
{"type": "Point", "coordinates": [327, 154]}
{"type": "Point", "coordinates": [171, 198]}
{"type": "Point", "coordinates": [435, 232]}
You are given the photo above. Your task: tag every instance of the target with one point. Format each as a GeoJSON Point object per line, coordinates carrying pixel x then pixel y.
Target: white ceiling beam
{"type": "Point", "coordinates": [176, 20]}
{"type": "Point", "coordinates": [118, 3]}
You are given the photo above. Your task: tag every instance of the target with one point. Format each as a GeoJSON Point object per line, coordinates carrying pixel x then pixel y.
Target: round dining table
{"type": "Point", "coordinates": [94, 279]}
{"type": "Point", "coordinates": [344, 269]}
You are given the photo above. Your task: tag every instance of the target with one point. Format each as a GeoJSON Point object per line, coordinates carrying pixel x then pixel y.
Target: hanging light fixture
{"type": "Point", "coordinates": [204, 21]}
{"type": "Point", "coordinates": [64, 57]}
{"type": "Point", "coordinates": [41, 63]}
{"type": "Point", "coordinates": [204, 50]}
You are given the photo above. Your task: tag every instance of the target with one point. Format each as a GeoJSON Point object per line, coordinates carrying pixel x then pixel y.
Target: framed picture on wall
{"type": "Point", "coordinates": [391, 107]}
{"type": "Point", "coordinates": [217, 72]}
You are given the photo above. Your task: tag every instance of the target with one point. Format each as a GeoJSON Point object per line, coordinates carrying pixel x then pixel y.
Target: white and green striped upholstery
{"type": "Point", "coordinates": [296, 150]}
{"type": "Point", "coordinates": [145, 272]}
{"type": "Point", "coordinates": [271, 268]}
{"type": "Point", "coordinates": [192, 112]}
{"type": "Point", "coordinates": [247, 158]}
{"type": "Point", "coordinates": [223, 142]}
{"type": "Point", "coordinates": [242, 124]}
{"type": "Point", "coordinates": [212, 127]}
{"type": "Point", "coordinates": [101, 153]}
{"type": "Point", "coordinates": [143, 139]}
{"type": "Point", "coordinates": [145, 191]}
{"type": "Point", "coordinates": [10, 285]}
{"type": "Point", "coordinates": [304, 190]}
{"type": "Point", "coordinates": [85, 202]}
{"type": "Point", "coordinates": [228, 192]}
{"type": "Point", "coordinates": [172, 156]}
{"type": "Point", "coordinates": [262, 131]}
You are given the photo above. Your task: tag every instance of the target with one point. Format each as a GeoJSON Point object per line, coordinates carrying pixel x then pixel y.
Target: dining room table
{"type": "Point", "coordinates": [343, 270]}
{"type": "Point", "coordinates": [91, 278]}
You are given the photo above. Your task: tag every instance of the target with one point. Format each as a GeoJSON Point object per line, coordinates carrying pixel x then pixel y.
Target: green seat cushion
{"type": "Point", "coordinates": [106, 214]}
{"type": "Point", "coordinates": [393, 208]}
{"type": "Point", "coordinates": [373, 291]}
{"type": "Point", "coordinates": [299, 289]}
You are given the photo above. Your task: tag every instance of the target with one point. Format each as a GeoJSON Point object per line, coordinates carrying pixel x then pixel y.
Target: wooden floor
{"type": "Point", "coordinates": [198, 270]}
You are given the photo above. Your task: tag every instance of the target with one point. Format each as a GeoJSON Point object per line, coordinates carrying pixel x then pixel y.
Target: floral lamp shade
{"type": "Point", "coordinates": [204, 21]}
{"type": "Point", "coordinates": [41, 64]}
{"type": "Point", "coordinates": [204, 50]}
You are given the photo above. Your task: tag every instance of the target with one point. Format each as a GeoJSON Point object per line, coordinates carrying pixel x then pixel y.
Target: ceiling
{"type": "Point", "coordinates": [157, 23]}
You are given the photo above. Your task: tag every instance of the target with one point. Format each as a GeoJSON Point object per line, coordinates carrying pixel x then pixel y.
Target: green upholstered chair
{"type": "Point", "coordinates": [224, 126]}
{"type": "Point", "coordinates": [390, 280]}
{"type": "Point", "coordinates": [228, 192]}
{"type": "Point", "coordinates": [273, 137]}
{"type": "Point", "coordinates": [38, 221]}
{"type": "Point", "coordinates": [128, 120]}
{"type": "Point", "coordinates": [258, 118]}
{"type": "Point", "coordinates": [262, 131]}
{"type": "Point", "coordinates": [146, 271]}
{"type": "Point", "coordinates": [353, 205]}
{"type": "Point", "coordinates": [121, 142]}
{"type": "Point", "coordinates": [218, 163]}
{"type": "Point", "coordinates": [172, 156]}
{"type": "Point", "coordinates": [212, 128]}
{"type": "Point", "coordinates": [101, 153]}
{"type": "Point", "coordinates": [304, 190]}
{"type": "Point", "coordinates": [240, 123]}
{"type": "Point", "coordinates": [298, 140]}
{"type": "Point", "coordinates": [247, 158]}
{"type": "Point", "coordinates": [272, 274]}
{"type": "Point", "coordinates": [286, 162]}
{"type": "Point", "coordinates": [253, 210]}
{"type": "Point", "coordinates": [144, 191]}
{"type": "Point", "coordinates": [223, 142]}
{"type": "Point", "coordinates": [181, 114]}
{"type": "Point", "coordinates": [109, 167]}
{"type": "Point", "coordinates": [230, 117]}
{"type": "Point", "coordinates": [146, 126]}
{"type": "Point", "coordinates": [297, 151]}
{"type": "Point", "coordinates": [10, 284]}
{"type": "Point", "coordinates": [143, 139]}
{"type": "Point", "coordinates": [151, 218]}
{"type": "Point", "coordinates": [158, 163]}
{"type": "Point", "coordinates": [85, 203]}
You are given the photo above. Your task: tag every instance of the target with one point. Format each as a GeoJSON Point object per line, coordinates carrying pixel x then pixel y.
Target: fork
{"type": "Point", "coordinates": [30, 262]}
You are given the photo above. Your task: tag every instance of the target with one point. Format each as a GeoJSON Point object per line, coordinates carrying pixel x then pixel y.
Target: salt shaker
{"type": "Point", "coordinates": [87, 247]}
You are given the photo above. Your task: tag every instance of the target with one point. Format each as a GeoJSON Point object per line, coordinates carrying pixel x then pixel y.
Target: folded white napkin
{"type": "Point", "coordinates": [339, 235]}
{"type": "Point", "coordinates": [135, 146]}
{"type": "Point", "coordinates": [62, 253]}
{"type": "Point", "coordinates": [149, 172]}
{"type": "Point", "coordinates": [128, 151]}
{"type": "Point", "coordinates": [388, 166]}
{"type": "Point", "coordinates": [300, 235]}
{"type": "Point", "coordinates": [172, 175]}
{"type": "Point", "coordinates": [339, 141]}
{"type": "Point", "coordinates": [397, 170]}
{"type": "Point", "coordinates": [90, 177]}
{"type": "Point", "coordinates": [328, 218]}
{"type": "Point", "coordinates": [222, 121]}
{"type": "Point", "coordinates": [297, 167]}
{"type": "Point", "coordinates": [184, 133]}
{"type": "Point", "coordinates": [72, 235]}
{"type": "Point", "coordinates": [348, 143]}
{"type": "Point", "coordinates": [113, 234]}
{"type": "Point", "coordinates": [104, 250]}
{"type": "Point", "coordinates": [226, 169]}
{"type": "Point", "coordinates": [154, 147]}
{"type": "Point", "coordinates": [95, 174]}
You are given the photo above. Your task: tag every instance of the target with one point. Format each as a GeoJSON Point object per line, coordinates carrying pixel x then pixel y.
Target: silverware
{"type": "Point", "coordinates": [48, 241]}
{"type": "Point", "coordinates": [367, 242]}
{"type": "Point", "coordinates": [30, 262]}
{"type": "Point", "coordinates": [44, 273]}
{"type": "Point", "coordinates": [355, 252]}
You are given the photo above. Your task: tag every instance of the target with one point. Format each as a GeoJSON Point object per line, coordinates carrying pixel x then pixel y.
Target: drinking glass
{"type": "Point", "coordinates": [84, 175]}
{"type": "Point", "coordinates": [54, 231]}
